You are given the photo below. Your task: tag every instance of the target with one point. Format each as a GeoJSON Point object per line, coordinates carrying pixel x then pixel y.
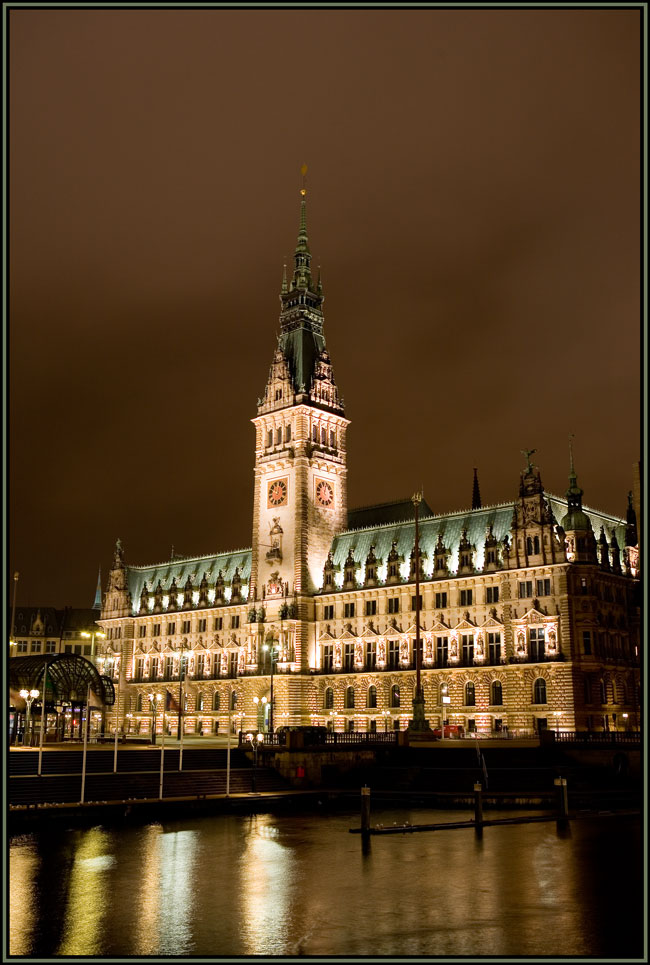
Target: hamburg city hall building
{"type": "Point", "coordinates": [528, 610]}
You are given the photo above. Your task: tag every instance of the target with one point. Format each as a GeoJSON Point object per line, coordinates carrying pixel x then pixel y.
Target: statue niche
{"type": "Point", "coordinates": [274, 554]}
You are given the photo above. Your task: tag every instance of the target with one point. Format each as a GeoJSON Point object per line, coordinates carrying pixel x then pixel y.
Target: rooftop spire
{"type": "Point", "coordinates": [97, 605]}
{"type": "Point", "coordinates": [573, 493]}
{"type": "Point", "coordinates": [476, 492]}
{"type": "Point", "coordinates": [302, 256]}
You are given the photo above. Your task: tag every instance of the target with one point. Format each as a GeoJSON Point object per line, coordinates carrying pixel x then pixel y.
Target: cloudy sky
{"type": "Point", "coordinates": [473, 200]}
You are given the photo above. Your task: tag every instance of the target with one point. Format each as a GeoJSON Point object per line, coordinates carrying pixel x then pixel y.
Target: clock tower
{"type": "Point", "coordinates": [300, 499]}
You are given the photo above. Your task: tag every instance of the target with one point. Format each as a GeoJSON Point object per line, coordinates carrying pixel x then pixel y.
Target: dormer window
{"type": "Point", "coordinates": [278, 395]}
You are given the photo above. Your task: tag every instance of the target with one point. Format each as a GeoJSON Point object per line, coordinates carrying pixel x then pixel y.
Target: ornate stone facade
{"type": "Point", "coordinates": [529, 609]}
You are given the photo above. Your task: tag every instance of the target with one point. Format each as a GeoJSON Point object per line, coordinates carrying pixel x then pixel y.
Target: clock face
{"type": "Point", "coordinates": [278, 492]}
{"type": "Point", "coordinates": [324, 493]}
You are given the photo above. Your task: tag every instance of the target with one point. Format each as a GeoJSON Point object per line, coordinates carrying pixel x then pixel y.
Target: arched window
{"type": "Point", "coordinates": [199, 701]}
{"type": "Point", "coordinates": [496, 693]}
{"type": "Point", "coordinates": [470, 694]}
{"type": "Point", "coordinates": [539, 691]}
{"type": "Point", "coordinates": [216, 702]}
{"type": "Point", "coordinates": [349, 697]}
{"type": "Point", "coordinates": [329, 698]}
{"type": "Point", "coordinates": [394, 696]}
{"type": "Point", "coordinates": [233, 700]}
{"type": "Point", "coordinates": [372, 696]}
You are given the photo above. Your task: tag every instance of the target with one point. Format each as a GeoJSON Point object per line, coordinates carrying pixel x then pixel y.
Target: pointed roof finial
{"type": "Point", "coordinates": [476, 492]}
{"type": "Point", "coordinates": [97, 605]}
{"type": "Point", "coordinates": [572, 471]}
{"type": "Point", "coordinates": [285, 287]}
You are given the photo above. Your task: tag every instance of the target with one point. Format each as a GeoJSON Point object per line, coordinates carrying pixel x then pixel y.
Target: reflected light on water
{"type": "Point", "coordinates": [87, 905]}
{"type": "Point", "coordinates": [167, 894]}
{"type": "Point", "coordinates": [23, 871]}
{"type": "Point", "coordinates": [266, 890]}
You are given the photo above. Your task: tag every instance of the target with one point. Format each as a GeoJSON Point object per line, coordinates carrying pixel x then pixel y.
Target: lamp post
{"type": "Point", "coordinates": [385, 714]}
{"type": "Point", "coordinates": [256, 740]}
{"type": "Point", "coordinates": [273, 653]}
{"type": "Point", "coordinates": [29, 696]}
{"type": "Point", "coordinates": [418, 721]}
{"type": "Point", "coordinates": [91, 637]}
{"type": "Point", "coordinates": [446, 699]}
{"type": "Point", "coordinates": [13, 611]}
{"type": "Point", "coordinates": [154, 698]}
{"type": "Point", "coordinates": [129, 718]}
{"type": "Point", "coordinates": [181, 668]}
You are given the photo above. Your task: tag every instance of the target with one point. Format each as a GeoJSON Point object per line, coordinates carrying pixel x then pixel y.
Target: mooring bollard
{"type": "Point", "coordinates": [365, 811]}
{"type": "Point", "coordinates": [478, 805]}
{"type": "Point", "coordinates": [563, 798]}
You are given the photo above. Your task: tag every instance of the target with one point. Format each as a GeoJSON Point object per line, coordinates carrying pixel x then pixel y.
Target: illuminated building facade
{"type": "Point", "coordinates": [529, 609]}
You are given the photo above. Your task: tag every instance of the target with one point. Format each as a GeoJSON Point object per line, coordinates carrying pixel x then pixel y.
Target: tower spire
{"type": "Point", "coordinates": [302, 255]}
{"type": "Point", "coordinates": [476, 492]}
{"type": "Point", "coordinates": [573, 493]}
{"type": "Point", "coordinates": [97, 605]}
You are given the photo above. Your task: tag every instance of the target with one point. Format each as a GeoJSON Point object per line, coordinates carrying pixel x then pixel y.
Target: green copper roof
{"type": "Point", "coordinates": [301, 348]}
{"type": "Point", "coordinates": [450, 525]}
{"type": "Point", "coordinates": [397, 512]}
{"type": "Point", "coordinates": [193, 567]}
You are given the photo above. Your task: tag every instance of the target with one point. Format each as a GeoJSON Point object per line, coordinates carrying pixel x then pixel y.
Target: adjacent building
{"type": "Point", "coordinates": [529, 609]}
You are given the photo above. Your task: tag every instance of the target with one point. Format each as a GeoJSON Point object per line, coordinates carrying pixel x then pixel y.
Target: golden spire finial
{"type": "Point", "coordinates": [303, 171]}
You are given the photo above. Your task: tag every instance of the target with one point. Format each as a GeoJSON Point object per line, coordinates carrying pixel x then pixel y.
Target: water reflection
{"type": "Point", "coordinates": [302, 885]}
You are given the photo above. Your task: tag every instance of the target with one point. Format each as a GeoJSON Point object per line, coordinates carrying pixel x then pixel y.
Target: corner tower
{"type": "Point", "coordinates": [300, 499]}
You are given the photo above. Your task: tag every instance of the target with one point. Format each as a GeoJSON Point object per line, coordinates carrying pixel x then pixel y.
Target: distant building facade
{"type": "Point", "coordinates": [529, 609]}
{"type": "Point", "coordinates": [46, 630]}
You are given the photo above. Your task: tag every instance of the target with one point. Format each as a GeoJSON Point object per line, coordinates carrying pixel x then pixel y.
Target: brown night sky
{"type": "Point", "coordinates": [474, 201]}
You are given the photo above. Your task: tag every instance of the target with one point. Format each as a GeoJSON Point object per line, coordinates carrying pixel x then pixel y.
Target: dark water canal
{"type": "Point", "coordinates": [302, 885]}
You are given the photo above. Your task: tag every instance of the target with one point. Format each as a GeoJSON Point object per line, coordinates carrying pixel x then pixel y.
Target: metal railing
{"type": "Point", "coordinates": [594, 737]}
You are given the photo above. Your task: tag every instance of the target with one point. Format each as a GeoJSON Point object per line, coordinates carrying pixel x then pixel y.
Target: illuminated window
{"type": "Point", "coordinates": [371, 700]}
{"type": "Point", "coordinates": [216, 702]}
{"type": "Point", "coordinates": [393, 653]}
{"type": "Point", "coordinates": [496, 693]}
{"type": "Point", "coordinates": [470, 694]}
{"type": "Point", "coordinates": [536, 643]}
{"type": "Point", "coordinates": [442, 651]}
{"type": "Point", "coordinates": [328, 657]}
{"type": "Point", "coordinates": [539, 691]}
{"type": "Point", "coordinates": [349, 698]}
{"type": "Point", "coordinates": [394, 696]}
{"type": "Point", "coordinates": [494, 647]}
{"type": "Point", "coordinates": [371, 654]}
{"type": "Point", "coordinates": [233, 700]}
{"type": "Point", "coordinates": [50, 646]}
{"type": "Point", "coordinates": [348, 655]}
{"type": "Point", "coordinates": [329, 698]}
{"type": "Point", "coordinates": [36, 647]}
{"type": "Point", "coordinates": [393, 604]}
{"type": "Point", "coordinates": [21, 647]}
{"type": "Point", "coordinates": [467, 643]}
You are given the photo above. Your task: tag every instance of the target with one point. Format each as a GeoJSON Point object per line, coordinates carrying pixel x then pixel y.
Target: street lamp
{"type": "Point", "coordinates": [274, 655]}
{"type": "Point", "coordinates": [129, 718]}
{"type": "Point", "coordinates": [91, 637]}
{"type": "Point", "coordinates": [255, 740]}
{"type": "Point", "coordinates": [29, 696]}
{"type": "Point", "coordinates": [181, 664]}
{"type": "Point", "coordinates": [154, 698]}
{"type": "Point", "coordinates": [385, 714]}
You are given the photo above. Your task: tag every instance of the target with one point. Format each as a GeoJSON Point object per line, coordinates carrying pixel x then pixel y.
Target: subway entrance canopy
{"type": "Point", "coordinates": [68, 678]}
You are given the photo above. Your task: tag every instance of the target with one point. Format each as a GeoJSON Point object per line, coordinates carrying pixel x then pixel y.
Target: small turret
{"type": "Point", "coordinates": [580, 539]}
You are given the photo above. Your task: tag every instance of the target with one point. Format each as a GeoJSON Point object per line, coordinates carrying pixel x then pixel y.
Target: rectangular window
{"type": "Point", "coordinates": [465, 598]}
{"type": "Point", "coordinates": [441, 601]}
{"type": "Point", "coordinates": [185, 626]}
{"type": "Point", "coordinates": [415, 601]}
{"type": "Point", "coordinates": [171, 629]}
{"type": "Point", "coordinates": [139, 668]}
{"type": "Point", "coordinates": [314, 434]}
{"type": "Point", "coordinates": [234, 623]}
{"type": "Point", "coordinates": [586, 642]}
{"type": "Point", "coordinates": [169, 668]}
{"type": "Point", "coordinates": [328, 657]}
{"type": "Point", "coordinates": [78, 648]}
{"type": "Point", "coordinates": [492, 594]}
{"type": "Point", "coordinates": [348, 655]}
{"type": "Point", "coordinates": [287, 433]}
{"type": "Point", "coordinates": [278, 395]}
{"type": "Point", "coordinates": [393, 653]}
{"type": "Point", "coordinates": [278, 437]}
{"type": "Point", "coordinates": [348, 609]}
{"type": "Point", "coordinates": [525, 589]}
{"type": "Point", "coordinates": [232, 664]}
{"type": "Point", "coordinates": [153, 672]}
{"type": "Point", "coordinates": [218, 623]}
{"type": "Point", "coordinates": [471, 726]}
{"type": "Point", "coordinates": [87, 649]}
{"type": "Point", "coordinates": [328, 612]}
{"type": "Point", "coordinates": [536, 643]}
{"type": "Point", "coordinates": [21, 646]}
{"type": "Point", "coordinates": [68, 647]}
{"type": "Point", "coordinates": [202, 625]}
{"type": "Point", "coordinates": [371, 608]}
{"type": "Point", "coordinates": [371, 654]}
{"type": "Point", "coordinates": [155, 630]}
{"type": "Point", "coordinates": [332, 439]}
{"type": "Point", "coordinates": [142, 630]}
{"type": "Point", "coordinates": [269, 438]}
{"type": "Point", "coordinates": [36, 647]}
{"type": "Point", "coordinates": [543, 587]}
{"type": "Point", "coordinates": [467, 641]}
{"type": "Point", "coordinates": [442, 651]}
{"type": "Point", "coordinates": [50, 646]}
{"type": "Point", "coordinates": [200, 665]}
{"type": "Point", "coordinates": [393, 604]}
{"type": "Point", "coordinates": [494, 648]}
